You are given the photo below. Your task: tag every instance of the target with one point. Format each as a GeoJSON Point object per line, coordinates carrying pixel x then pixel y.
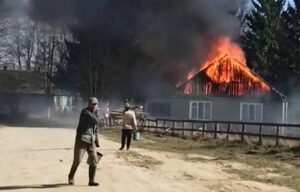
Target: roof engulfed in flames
{"type": "Point", "coordinates": [227, 72]}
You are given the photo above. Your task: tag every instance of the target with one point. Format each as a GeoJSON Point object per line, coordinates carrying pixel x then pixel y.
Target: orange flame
{"type": "Point", "coordinates": [226, 64]}
{"type": "Point", "coordinates": [223, 46]}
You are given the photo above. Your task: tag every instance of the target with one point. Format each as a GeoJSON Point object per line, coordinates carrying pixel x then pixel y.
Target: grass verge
{"type": "Point", "coordinates": [275, 165]}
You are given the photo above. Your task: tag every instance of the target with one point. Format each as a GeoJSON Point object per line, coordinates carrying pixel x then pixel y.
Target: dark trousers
{"type": "Point", "coordinates": [79, 150]}
{"type": "Point", "coordinates": [126, 136]}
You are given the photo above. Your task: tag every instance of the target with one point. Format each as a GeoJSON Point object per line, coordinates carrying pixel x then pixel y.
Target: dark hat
{"type": "Point", "coordinates": [127, 105]}
{"type": "Point", "coordinates": [93, 100]}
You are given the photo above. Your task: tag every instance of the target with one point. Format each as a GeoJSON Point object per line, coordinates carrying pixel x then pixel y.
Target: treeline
{"type": "Point", "coordinates": [271, 40]}
{"type": "Point", "coordinates": [28, 45]}
{"type": "Point", "coordinates": [139, 48]}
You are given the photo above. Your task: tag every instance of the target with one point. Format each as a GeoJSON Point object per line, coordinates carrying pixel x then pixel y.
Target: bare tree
{"type": "Point", "coordinates": [51, 51]}
{"type": "Point", "coordinates": [15, 45]}
{"type": "Point", "coordinates": [4, 24]}
{"type": "Point", "coordinates": [4, 21]}
{"type": "Point", "coordinates": [29, 43]}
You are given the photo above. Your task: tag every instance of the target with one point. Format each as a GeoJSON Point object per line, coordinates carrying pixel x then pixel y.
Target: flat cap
{"type": "Point", "coordinates": [93, 100]}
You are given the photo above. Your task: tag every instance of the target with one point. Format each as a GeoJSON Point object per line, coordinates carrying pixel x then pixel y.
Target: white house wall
{"type": "Point", "coordinates": [223, 109]}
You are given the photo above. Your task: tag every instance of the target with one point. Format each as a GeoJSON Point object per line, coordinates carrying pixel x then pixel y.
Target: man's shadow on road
{"type": "Point", "coordinates": [42, 186]}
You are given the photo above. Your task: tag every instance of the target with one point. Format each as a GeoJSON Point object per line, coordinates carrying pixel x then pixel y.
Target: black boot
{"type": "Point", "coordinates": [92, 173]}
{"type": "Point", "coordinates": [71, 175]}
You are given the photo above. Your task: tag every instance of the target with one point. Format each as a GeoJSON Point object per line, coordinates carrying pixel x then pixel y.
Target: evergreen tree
{"type": "Point", "coordinates": [290, 44]}
{"type": "Point", "coordinates": [261, 39]}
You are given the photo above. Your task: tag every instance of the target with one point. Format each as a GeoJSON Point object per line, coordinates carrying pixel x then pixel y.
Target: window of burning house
{"type": "Point", "coordinates": [159, 109]}
{"type": "Point", "coordinates": [251, 112]}
{"type": "Point", "coordinates": [200, 110]}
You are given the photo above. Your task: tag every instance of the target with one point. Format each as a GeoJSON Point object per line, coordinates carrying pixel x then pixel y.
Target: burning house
{"type": "Point", "coordinates": [223, 88]}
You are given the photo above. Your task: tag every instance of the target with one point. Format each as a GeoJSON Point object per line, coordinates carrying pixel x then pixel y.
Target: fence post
{"type": "Point", "coordinates": [148, 124]}
{"type": "Point", "coordinates": [156, 126]}
{"type": "Point", "coordinates": [183, 128]}
{"type": "Point", "coordinates": [174, 124]}
{"type": "Point", "coordinates": [228, 129]}
{"type": "Point", "coordinates": [203, 128]}
{"type": "Point", "coordinates": [216, 129]}
{"type": "Point", "coordinates": [260, 133]}
{"type": "Point", "coordinates": [277, 135]}
{"type": "Point", "coordinates": [243, 131]}
{"type": "Point", "coordinates": [192, 132]}
{"type": "Point", "coordinates": [110, 124]}
{"type": "Point", "coordinates": [152, 129]}
{"type": "Point", "coordinates": [165, 127]}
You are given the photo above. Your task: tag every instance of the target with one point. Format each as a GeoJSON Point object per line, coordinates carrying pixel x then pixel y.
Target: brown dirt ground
{"type": "Point", "coordinates": [38, 159]}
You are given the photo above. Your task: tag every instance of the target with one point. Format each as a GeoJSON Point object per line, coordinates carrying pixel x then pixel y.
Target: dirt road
{"type": "Point", "coordinates": [38, 159]}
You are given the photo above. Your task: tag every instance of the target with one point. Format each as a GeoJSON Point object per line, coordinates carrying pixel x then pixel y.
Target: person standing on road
{"type": "Point", "coordinates": [87, 140]}
{"type": "Point", "coordinates": [129, 125]}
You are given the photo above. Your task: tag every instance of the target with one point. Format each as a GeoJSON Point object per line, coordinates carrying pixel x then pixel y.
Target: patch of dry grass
{"type": "Point", "coordinates": [136, 159]}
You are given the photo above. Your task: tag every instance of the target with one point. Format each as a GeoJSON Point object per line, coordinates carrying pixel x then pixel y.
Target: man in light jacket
{"type": "Point", "coordinates": [129, 125]}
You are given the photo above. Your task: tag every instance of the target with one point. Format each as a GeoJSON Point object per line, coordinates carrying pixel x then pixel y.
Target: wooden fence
{"type": "Point", "coordinates": [275, 131]}
{"type": "Point", "coordinates": [221, 129]}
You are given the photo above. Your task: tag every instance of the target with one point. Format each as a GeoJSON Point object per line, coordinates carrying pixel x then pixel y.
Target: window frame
{"type": "Point", "coordinates": [197, 111]}
{"type": "Point", "coordinates": [248, 110]}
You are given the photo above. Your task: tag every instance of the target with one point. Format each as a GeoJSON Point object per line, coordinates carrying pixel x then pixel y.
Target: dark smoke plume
{"type": "Point", "coordinates": [175, 33]}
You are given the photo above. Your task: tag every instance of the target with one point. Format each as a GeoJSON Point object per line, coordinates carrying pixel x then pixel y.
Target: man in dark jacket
{"type": "Point", "coordinates": [87, 140]}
